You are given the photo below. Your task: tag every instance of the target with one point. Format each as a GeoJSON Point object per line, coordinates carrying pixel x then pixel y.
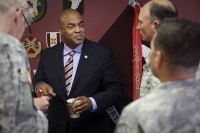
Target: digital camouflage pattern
{"type": "Point", "coordinates": [150, 82]}
{"type": "Point", "coordinates": [173, 107]}
{"type": "Point", "coordinates": [18, 113]}
{"type": "Point", "coordinates": [198, 73]}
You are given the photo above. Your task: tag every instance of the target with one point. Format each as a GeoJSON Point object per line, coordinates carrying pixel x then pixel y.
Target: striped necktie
{"type": "Point", "coordinates": [69, 70]}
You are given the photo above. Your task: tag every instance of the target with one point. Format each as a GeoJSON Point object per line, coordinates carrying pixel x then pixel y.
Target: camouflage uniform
{"type": "Point", "coordinates": [173, 107]}
{"type": "Point", "coordinates": [18, 114]}
{"type": "Point", "coordinates": [150, 82]}
{"type": "Point", "coordinates": [198, 73]}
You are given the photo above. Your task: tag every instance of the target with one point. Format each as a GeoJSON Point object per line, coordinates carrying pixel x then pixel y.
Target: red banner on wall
{"type": "Point", "coordinates": [137, 54]}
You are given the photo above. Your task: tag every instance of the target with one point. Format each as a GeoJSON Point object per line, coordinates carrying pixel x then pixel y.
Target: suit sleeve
{"type": "Point", "coordinates": [111, 83]}
{"type": "Point", "coordinates": [39, 75]}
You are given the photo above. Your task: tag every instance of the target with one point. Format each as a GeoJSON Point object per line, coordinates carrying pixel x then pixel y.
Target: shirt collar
{"type": "Point", "coordinates": [66, 51]}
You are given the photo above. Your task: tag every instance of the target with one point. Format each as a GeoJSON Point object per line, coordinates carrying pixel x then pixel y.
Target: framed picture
{"type": "Point", "coordinates": [39, 8]}
{"type": "Point", "coordinates": [74, 4]}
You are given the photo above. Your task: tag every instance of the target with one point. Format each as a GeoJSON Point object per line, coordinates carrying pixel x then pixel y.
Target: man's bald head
{"type": "Point", "coordinates": [67, 14]}
{"type": "Point", "coordinates": [151, 14]}
{"type": "Point", "coordinates": [166, 3]}
{"type": "Point", "coordinates": [161, 9]}
{"type": "Point", "coordinates": [71, 27]}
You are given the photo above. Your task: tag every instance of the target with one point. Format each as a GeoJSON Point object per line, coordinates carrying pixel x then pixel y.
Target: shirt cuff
{"type": "Point", "coordinates": [94, 104]}
{"type": "Point", "coordinates": [37, 86]}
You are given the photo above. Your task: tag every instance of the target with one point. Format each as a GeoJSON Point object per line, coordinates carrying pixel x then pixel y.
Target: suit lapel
{"type": "Point", "coordinates": [85, 55]}
{"type": "Point", "coordinates": [60, 65]}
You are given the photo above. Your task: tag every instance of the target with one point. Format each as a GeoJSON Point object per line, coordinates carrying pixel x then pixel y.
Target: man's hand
{"type": "Point", "coordinates": [42, 102]}
{"type": "Point", "coordinates": [83, 104]}
{"type": "Point", "coordinates": [46, 90]}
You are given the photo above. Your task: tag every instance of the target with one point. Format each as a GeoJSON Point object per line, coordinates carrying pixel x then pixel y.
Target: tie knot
{"type": "Point", "coordinates": [71, 53]}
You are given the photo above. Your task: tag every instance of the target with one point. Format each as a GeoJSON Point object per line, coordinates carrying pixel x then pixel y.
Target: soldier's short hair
{"type": "Point", "coordinates": [6, 5]}
{"type": "Point", "coordinates": [179, 39]}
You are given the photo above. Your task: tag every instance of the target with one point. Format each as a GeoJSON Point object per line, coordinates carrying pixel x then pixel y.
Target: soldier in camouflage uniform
{"type": "Point", "coordinates": [151, 14]}
{"type": "Point", "coordinates": [18, 114]}
{"type": "Point", "coordinates": [155, 10]}
{"type": "Point", "coordinates": [173, 107]}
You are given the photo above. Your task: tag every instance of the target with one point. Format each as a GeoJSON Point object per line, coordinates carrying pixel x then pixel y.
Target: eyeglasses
{"type": "Point", "coordinates": [28, 29]}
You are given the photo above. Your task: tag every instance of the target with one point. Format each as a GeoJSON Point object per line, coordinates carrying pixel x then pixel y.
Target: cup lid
{"type": "Point", "coordinates": [71, 100]}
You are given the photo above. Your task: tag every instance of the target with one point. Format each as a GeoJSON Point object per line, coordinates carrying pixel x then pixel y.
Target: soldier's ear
{"type": "Point", "coordinates": [18, 15]}
{"type": "Point", "coordinates": [156, 22]}
{"type": "Point", "coordinates": [158, 59]}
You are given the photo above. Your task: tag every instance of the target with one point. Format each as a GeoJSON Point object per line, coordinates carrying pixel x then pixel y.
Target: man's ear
{"type": "Point", "coordinates": [18, 15]}
{"type": "Point", "coordinates": [158, 59]}
{"type": "Point", "coordinates": [60, 29]}
{"type": "Point", "coordinates": [156, 22]}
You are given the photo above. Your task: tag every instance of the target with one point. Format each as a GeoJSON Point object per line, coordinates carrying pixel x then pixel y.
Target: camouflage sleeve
{"type": "Point", "coordinates": [198, 73]}
{"type": "Point", "coordinates": [128, 122]}
{"type": "Point", "coordinates": [17, 111]}
{"type": "Point", "coordinates": [8, 99]}
{"type": "Point", "coordinates": [42, 122]}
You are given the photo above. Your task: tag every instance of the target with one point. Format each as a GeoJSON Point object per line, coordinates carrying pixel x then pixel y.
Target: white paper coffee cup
{"type": "Point", "coordinates": [70, 103]}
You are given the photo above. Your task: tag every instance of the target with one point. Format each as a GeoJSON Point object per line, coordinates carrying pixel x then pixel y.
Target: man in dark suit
{"type": "Point", "coordinates": [95, 80]}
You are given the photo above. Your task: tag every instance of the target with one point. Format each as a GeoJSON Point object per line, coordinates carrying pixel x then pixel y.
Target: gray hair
{"type": "Point", "coordinates": [5, 6]}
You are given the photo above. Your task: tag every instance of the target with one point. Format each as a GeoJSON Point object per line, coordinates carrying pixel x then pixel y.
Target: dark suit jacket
{"type": "Point", "coordinates": [96, 77]}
